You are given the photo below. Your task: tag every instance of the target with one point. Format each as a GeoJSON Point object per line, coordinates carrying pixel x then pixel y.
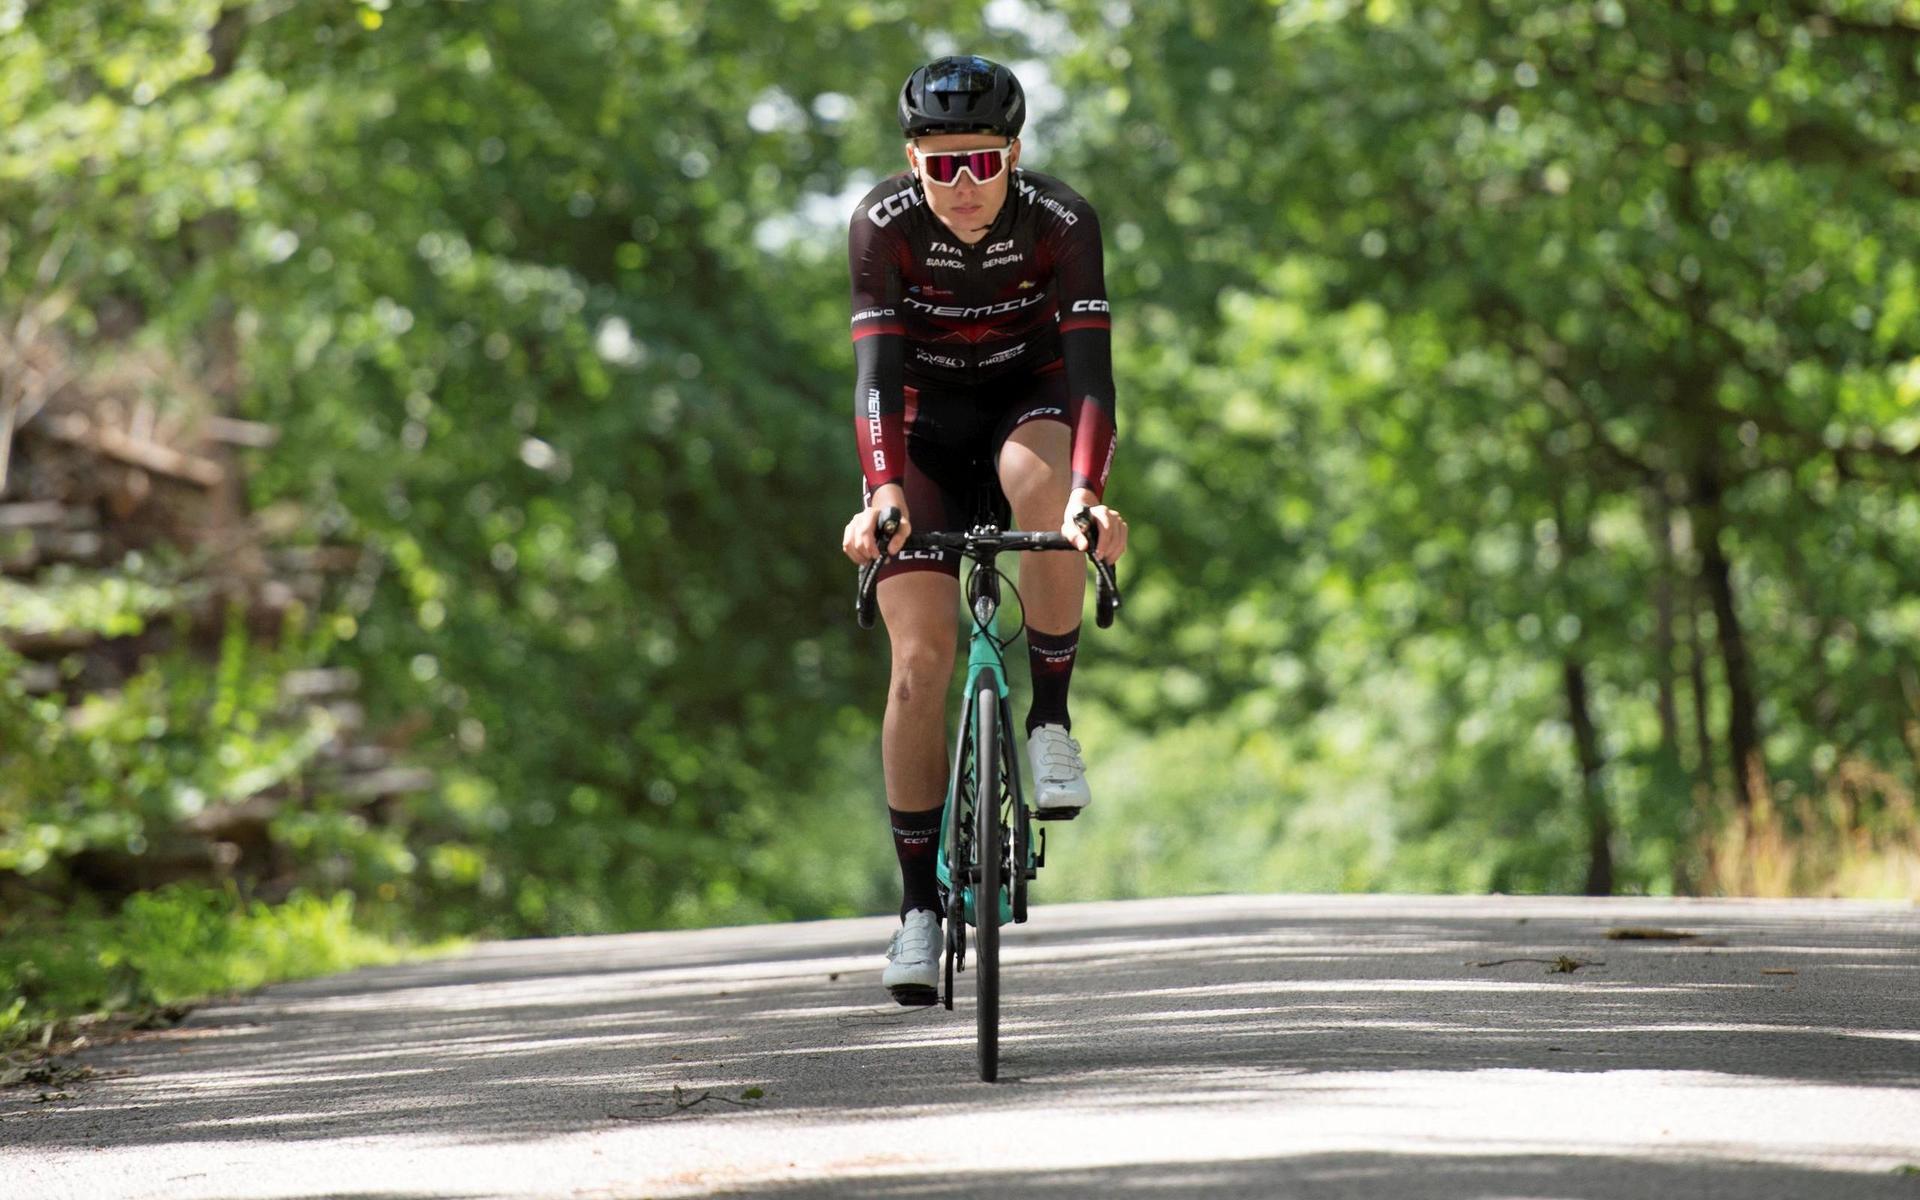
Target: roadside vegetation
{"type": "Point", "coordinates": [424, 441]}
{"type": "Point", "coordinates": [86, 974]}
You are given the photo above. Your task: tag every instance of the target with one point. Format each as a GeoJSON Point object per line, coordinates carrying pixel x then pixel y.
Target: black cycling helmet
{"type": "Point", "coordinates": [962, 94]}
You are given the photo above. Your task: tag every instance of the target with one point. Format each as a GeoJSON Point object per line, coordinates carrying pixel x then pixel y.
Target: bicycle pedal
{"type": "Point", "coordinates": [1056, 814]}
{"type": "Point", "coordinates": [914, 995]}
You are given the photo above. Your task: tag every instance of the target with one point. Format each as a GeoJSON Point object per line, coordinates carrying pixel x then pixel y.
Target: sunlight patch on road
{"type": "Point", "coordinates": [1168, 1118]}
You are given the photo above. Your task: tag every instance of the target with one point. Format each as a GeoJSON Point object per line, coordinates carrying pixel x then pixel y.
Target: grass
{"type": "Point", "coordinates": [1858, 837]}
{"type": "Point", "coordinates": [85, 977]}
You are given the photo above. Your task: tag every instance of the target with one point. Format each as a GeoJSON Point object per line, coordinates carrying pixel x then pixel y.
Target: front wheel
{"type": "Point", "coordinates": [1019, 829]}
{"type": "Point", "coordinates": [986, 887]}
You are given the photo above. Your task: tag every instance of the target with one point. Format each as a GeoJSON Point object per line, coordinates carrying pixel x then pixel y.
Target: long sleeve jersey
{"type": "Point", "coordinates": [930, 308]}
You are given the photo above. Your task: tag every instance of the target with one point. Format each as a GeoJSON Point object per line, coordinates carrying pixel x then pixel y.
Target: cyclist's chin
{"type": "Point", "coordinates": [969, 214]}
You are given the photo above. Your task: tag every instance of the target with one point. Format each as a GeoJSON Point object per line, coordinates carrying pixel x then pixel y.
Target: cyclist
{"type": "Point", "coordinates": [981, 340]}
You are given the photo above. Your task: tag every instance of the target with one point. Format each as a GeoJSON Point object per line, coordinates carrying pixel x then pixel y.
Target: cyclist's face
{"type": "Point", "coordinates": [968, 206]}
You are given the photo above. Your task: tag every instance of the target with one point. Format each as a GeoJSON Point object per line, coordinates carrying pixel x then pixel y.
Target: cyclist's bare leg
{"type": "Point", "coordinates": [1036, 473]}
{"type": "Point", "coordinates": [1036, 476]}
{"type": "Point", "coordinates": [921, 609]}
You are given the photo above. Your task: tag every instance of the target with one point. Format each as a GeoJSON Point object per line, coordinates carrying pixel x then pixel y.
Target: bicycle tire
{"type": "Point", "coordinates": [1019, 830]}
{"type": "Point", "coordinates": [986, 888]}
{"type": "Point", "coordinates": [956, 942]}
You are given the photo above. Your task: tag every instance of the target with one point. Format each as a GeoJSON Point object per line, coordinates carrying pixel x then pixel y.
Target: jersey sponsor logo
{"type": "Point", "coordinates": [1004, 259]}
{"type": "Point", "coordinates": [872, 314]}
{"type": "Point", "coordinates": [1025, 284]}
{"type": "Point", "coordinates": [942, 248]}
{"type": "Point", "coordinates": [1089, 306]}
{"type": "Point", "coordinates": [997, 247]}
{"type": "Point", "coordinates": [979, 310]}
{"type": "Point", "coordinates": [939, 360]}
{"type": "Point", "coordinates": [947, 262]}
{"type": "Point", "coordinates": [882, 212]}
{"type": "Point", "coordinates": [1000, 356]}
{"type": "Point", "coordinates": [1067, 216]}
{"type": "Point", "coordinates": [874, 430]}
{"type": "Point", "coordinates": [1034, 414]}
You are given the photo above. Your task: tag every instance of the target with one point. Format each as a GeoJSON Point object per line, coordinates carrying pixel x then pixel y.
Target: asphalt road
{"type": "Point", "coordinates": [1311, 1047]}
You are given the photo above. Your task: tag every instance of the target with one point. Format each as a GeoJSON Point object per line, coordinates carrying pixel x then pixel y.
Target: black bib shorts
{"type": "Point", "coordinates": [954, 438]}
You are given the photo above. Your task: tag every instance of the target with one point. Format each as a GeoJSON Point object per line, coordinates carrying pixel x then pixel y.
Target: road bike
{"type": "Point", "coordinates": [988, 854]}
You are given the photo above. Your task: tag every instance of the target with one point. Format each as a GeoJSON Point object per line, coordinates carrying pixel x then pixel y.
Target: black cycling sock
{"type": "Point", "coordinates": [1050, 656]}
{"type": "Point", "coordinates": [914, 836]}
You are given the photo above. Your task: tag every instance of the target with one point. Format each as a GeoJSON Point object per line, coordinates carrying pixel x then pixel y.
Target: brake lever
{"type": "Point", "coordinates": [1084, 519]}
{"type": "Point", "coordinates": [1107, 597]}
{"type": "Point", "coordinates": [866, 602]}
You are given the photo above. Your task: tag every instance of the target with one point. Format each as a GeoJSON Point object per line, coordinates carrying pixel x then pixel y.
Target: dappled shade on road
{"type": "Point", "coordinates": [1211, 1043]}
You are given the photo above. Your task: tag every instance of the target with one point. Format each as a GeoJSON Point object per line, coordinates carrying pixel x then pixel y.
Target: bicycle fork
{"type": "Point", "coordinates": [985, 663]}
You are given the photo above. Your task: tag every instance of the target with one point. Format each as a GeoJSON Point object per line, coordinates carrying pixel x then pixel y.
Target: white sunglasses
{"type": "Point", "coordinates": [944, 167]}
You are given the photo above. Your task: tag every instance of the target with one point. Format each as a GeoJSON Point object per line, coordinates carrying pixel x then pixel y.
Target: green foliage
{"type": "Point", "coordinates": [1520, 427]}
{"type": "Point", "coordinates": [116, 603]}
{"type": "Point", "coordinates": [175, 944]}
{"type": "Point", "coordinates": [1528, 339]}
{"type": "Point", "coordinates": [123, 769]}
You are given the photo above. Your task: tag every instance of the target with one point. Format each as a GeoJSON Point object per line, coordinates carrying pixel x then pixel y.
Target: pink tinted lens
{"type": "Point", "coordinates": [981, 164]}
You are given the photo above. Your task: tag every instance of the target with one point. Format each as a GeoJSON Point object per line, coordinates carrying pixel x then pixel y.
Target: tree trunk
{"type": "Point", "coordinates": [1743, 722]}
{"type": "Point", "coordinates": [1910, 726]}
{"type": "Point", "coordinates": [1699, 711]}
{"type": "Point", "coordinates": [1661, 519]}
{"type": "Point", "coordinates": [1702, 706]}
{"type": "Point", "coordinates": [1698, 379]}
{"type": "Point", "coordinates": [1592, 790]}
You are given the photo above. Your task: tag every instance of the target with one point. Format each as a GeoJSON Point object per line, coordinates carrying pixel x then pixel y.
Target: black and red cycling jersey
{"type": "Point", "coordinates": [932, 311]}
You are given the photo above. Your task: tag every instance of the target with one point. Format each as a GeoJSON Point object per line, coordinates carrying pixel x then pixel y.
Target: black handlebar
{"type": "Point", "coordinates": [986, 542]}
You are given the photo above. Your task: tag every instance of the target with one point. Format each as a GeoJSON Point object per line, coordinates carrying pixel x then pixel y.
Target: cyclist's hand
{"type": "Point", "coordinates": [860, 541]}
{"type": "Point", "coordinates": [1113, 528]}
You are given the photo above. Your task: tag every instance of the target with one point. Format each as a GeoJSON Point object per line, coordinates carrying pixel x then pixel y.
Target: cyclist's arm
{"type": "Point", "coordinates": [1086, 344]}
{"type": "Point", "coordinates": [879, 353]}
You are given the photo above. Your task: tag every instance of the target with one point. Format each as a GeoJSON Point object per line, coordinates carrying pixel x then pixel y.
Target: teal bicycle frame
{"type": "Point", "coordinates": [1024, 853]}
{"type": "Point", "coordinates": [984, 663]}
{"type": "Point", "coordinates": [1008, 830]}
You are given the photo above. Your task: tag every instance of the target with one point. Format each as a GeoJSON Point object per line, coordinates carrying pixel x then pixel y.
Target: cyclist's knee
{"type": "Point", "coordinates": [920, 610]}
{"type": "Point", "coordinates": [922, 661]}
{"type": "Point", "coordinates": [921, 667]}
{"type": "Point", "coordinates": [1035, 478]}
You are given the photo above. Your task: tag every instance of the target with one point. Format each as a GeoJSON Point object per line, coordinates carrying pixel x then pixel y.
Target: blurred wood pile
{"type": "Point", "coordinates": [128, 459]}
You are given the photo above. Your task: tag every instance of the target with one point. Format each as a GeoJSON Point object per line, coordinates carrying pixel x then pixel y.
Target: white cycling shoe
{"type": "Point", "coordinates": [913, 959]}
{"type": "Point", "coordinates": [1059, 777]}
